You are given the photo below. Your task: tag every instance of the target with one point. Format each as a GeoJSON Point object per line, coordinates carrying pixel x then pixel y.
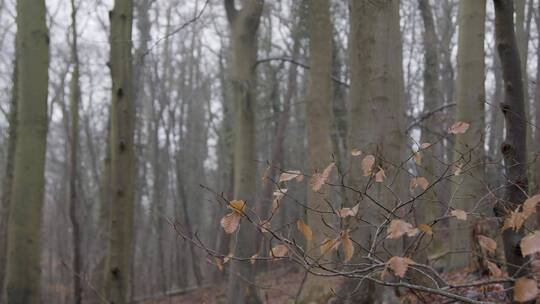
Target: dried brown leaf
{"type": "Point", "coordinates": [426, 229]}
{"type": "Point", "coordinates": [344, 212]}
{"type": "Point", "coordinates": [279, 251]}
{"type": "Point", "coordinates": [525, 290]}
{"type": "Point", "coordinates": [398, 228]}
{"type": "Point", "coordinates": [494, 269]}
{"type": "Point", "coordinates": [237, 206]}
{"type": "Point", "coordinates": [487, 243]}
{"type": "Point", "coordinates": [230, 222]}
{"type": "Point", "coordinates": [459, 214]}
{"type": "Point", "coordinates": [417, 158]}
{"type": "Point", "coordinates": [399, 265]}
{"type": "Point", "coordinates": [356, 152]}
{"type": "Point", "coordinates": [422, 182]}
{"type": "Point", "coordinates": [289, 175]}
{"type": "Point", "coordinates": [367, 164]}
{"type": "Point", "coordinates": [515, 220]}
{"type": "Point", "coordinates": [529, 206]}
{"type": "Point", "coordinates": [380, 176]}
{"type": "Point", "coordinates": [304, 229]}
{"type": "Point", "coordinates": [530, 244]}
{"type": "Point", "coordinates": [348, 247]}
{"type": "Point", "coordinates": [459, 127]}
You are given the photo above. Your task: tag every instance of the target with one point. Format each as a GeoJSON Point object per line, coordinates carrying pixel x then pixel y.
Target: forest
{"type": "Point", "coordinates": [265, 152]}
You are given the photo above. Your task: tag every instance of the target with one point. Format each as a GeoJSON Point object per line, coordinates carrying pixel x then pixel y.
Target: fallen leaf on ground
{"type": "Point", "coordinates": [525, 290]}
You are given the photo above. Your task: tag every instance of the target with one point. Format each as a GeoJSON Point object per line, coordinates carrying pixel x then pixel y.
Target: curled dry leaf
{"type": "Point", "coordinates": [525, 290]}
{"type": "Point", "coordinates": [230, 222]}
{"type": "Point", "coordinates": [318, 179]}
{"type": "Point", "coordinates": [304, 229]}
{"type": "Point", "coordinates": [456, 168]}
{"type": "Point", "coordinates": [367, 164]}
{"type": "Point", "coordinates": [399, 265]}
{"type": "Point", "coordinates": [279, 251]}
{"type": "Point", "coordinates": [227, 258]}
{"type": "Point", "coordinates": [237, 206]}
{"type": "Point", "coordinates": [421, 182]}
{"type": "Point", "coordinates": [425, 229]}
{"type": "Point", "coordinates": [380, 176]}
{"type": "Point", "coordinates": [459, 127]}
{"type": "Point", "coordinates": [290, 175]}
{"type": "Point", "coordinates": [530, 244]}
{"type": "Point", "coordinates": [344, 212]}
{"type": "Point", "coordinates": [216, 261]}
{"type": "Point", "coordinates": [515, 220]}
{"type": "Point", "coordinates": [265, 226]}
{"type": "Point", "coordinates": [459, 214]}
{"type": "Point", "coordinates": [348, 247]}
{"type": "Point", "coordinates": [425, 145]}
{"type": "Point", "coordinates": [398, 228]}
{"type": "Point", "coordinates": [356, 152]}
{"type": "Point", "coordinates": [529, 206]}
{"type": "Point", "coordinates": [494, 269]}
{"type": "Point", "coordinates": [253, 258]}
{"type": "Point", "coordinates": [329, 245]}
{"type": "Point", "coordinates": [417, 158]}
{"type": "Point", "coordinates": [487, 243]}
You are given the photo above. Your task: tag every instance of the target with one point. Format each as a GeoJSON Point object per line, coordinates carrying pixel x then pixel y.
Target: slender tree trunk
{"type": "Point", "coordinates": [24, 231]}
{"type": "Point", "coordinates": [537, 114]}
{"type": "Point", "coordinates": [469, 147]}
{"type": "Point", "coordinates": [118, 264]}
{"type": "Point", "coordinates": [244, 24]}
{"type": "Point", "coordinates": [8, 178]}
{"type": "Point", "coordinates": [514, 147]}
{"type": "Point", "coordinates": [319, 121]}
{"type": "Point", "coordinates": [75, 93]}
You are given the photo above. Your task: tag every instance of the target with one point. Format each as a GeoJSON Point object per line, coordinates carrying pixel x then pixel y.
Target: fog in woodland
{"type": "Point", "coordinates": [257, 151]}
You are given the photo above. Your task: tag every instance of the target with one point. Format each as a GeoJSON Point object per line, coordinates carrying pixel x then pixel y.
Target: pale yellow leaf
{"type": "Point", "coordinates": [459, 127]}
{"type": "Point", "coordinates": [289, 175]}
{"type": "Point", "coordinates": [367, 164]}
{"type": "Point", "coordinates": [356, 152]}
{"type": "Point", "coordinates": [348, 247]}
{"type": "Point", "coordinates": [279, 251]}
{"type": "Point", "coordinates": [525, 290]}
{"type": "Point", "coordinates": [459, 214]}
{"type": "Point", "coordinates": [237, 206]}
{"type": "Point", "coordinates": [399, 265]}
{"type": "Point", "coordinates": [380, 176]}
{"type": "Point", "coordinates": [530, 244]}
{"type": "Point", "coordinates": [230, 222]}
{"type": "Point", "coordinates": [417, 158]}
{"type": "Point", "coordinates": [304, 229]}
{"type": "Point", "coordinates": [329, 245]}
{"type": "Point", "coordinates": [487, 243]}
{"type": "Point", "coordinates": [426, 229]}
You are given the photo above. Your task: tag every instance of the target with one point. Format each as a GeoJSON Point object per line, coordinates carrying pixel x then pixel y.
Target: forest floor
{"type": "Point", "coordinates": [281, 285]}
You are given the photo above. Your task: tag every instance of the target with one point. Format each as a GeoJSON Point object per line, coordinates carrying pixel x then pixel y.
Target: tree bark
{"type": "Point", "coordinates": [319, 121]}
{"type": "Point", "coordinates": [469, 147]}
{"type": "Point", "coordinates": [24, 235]}
{"type": "Point", "coordinates": [514, 147]}
{"type": "Point", "coordinates": [244, 24]}
{"type": "Point", "coordinates": [118, 264]}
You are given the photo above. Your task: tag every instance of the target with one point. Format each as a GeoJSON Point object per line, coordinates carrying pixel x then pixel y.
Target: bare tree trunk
{"type": "Point", "coordinates": [24, 230]}
{"type": "Point", "coordinates": [514, 147]}
{"type": "Point", "coordinates": [118, 265]}
{"type": "Point", "coordinates": [75, 93]}
{"type": "Point", "coordinates": [244, 24]}
{"type": "Point", "coordinates": [537, 115]}
{"type": "Point", "coordinates": [319, 121]}
{"type": "Point", "coordinates": [469, 147]}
